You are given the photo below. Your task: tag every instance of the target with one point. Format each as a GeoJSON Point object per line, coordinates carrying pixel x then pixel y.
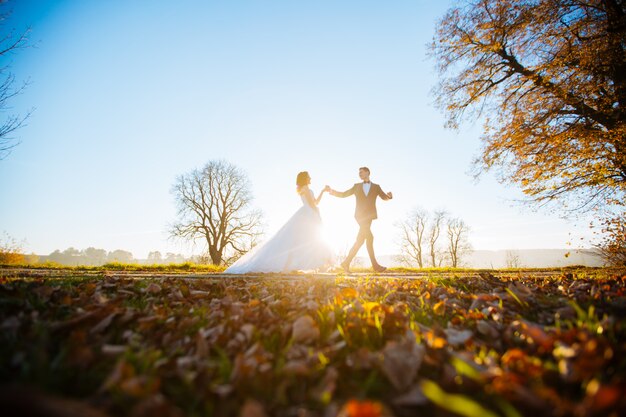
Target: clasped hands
{"type": "Point", "coordinates": [327, 189]}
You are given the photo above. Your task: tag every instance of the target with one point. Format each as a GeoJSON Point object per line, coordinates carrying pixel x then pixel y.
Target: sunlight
{"type": "Point", "coordinates": [339, 228]}
{"type": "Point", "coordinates": [325, 236]}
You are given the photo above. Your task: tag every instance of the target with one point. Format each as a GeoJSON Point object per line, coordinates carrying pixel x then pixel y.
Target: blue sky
{"type": "Point", "coordinates": [128, 95]}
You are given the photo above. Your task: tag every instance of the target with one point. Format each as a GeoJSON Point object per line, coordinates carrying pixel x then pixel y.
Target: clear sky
{"type": "Point", "coordinates": [128, 95]}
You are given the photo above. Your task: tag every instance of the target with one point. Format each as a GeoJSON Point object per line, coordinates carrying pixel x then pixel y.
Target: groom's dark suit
{"type": "Point", "coordinates": [364, 213]}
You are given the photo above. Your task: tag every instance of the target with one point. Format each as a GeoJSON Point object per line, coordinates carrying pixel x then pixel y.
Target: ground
{"type": "Point", "coordinates": [472, 343]}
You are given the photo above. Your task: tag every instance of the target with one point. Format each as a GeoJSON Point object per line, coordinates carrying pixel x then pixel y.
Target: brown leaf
{"type": "Point", "coordinates": [520, 290]}
{"type": "Point", "coordinates": [362, 358]}
{"type": "Point", "coordinates": [153, 288]}
{"type": "Point", "coordinates": [487, 329]}
{"type": "Point", "coordinates": [202, 347]}
{"type": "Point", "coordinates": [120, 372]}
{"type": "Point", "coordinates": [222, 390]}
{"type": "Point", "coordinates": [139, 386]}
{"type": "Point", "coordinates": [103, 324]}
{"type": "Point", "coordinates": [413, 397]}
{"type": "Point", "coordinates": [401, 360]}
{"type": "Point", "coordinates": [80, 353]}
{"type": "Point", "coordinates": [100, 298]}
{"type": "Point", "coordinates": [248, 330]}
{"type": "Point", "coordinates": [80, 319]}
{"type": "Point", "coordinates": [252, 408]}
{"type": "Point", "coordinates": [156, 405]}
{"type": "Point", "coordinates": [305, 330]}
{"type": "Point", "coordinates": [297, 367]}
{"type": "Point", "coordinates": [45, 291]}
{"type": "Point", "coordinates": [458, 337]}
{"type": "Point", "coordinates": [113, 349]}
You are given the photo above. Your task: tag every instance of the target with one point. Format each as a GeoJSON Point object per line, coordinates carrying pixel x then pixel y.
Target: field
{"type": "Point", "coordinates": [117, 342]}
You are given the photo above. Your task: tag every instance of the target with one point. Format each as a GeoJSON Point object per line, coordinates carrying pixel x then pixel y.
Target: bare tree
{"type": "Point", "coordinates": [214, 206]}
{"type": "Point", "coordinates": [512, 259]}
{"type": "Point", "coordinates": [412, 237]}
{"type": "Point", "coordinates": [9, 44]}
{"type": "Point", "coordinates": [439, 218]}
{"type": "Point", "coordinates": [458, 245]}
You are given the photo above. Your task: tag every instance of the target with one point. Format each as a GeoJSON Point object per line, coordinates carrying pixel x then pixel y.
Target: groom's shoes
{"type": "Point", "coordinates": [379, 268]}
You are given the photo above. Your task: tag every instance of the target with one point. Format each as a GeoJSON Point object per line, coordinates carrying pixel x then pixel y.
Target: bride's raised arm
{"type": "Point", "coordinates": [319, 197]}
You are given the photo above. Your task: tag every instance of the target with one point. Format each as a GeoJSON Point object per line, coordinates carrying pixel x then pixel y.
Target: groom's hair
{"type": "Point", "coordinates": [365, 169]}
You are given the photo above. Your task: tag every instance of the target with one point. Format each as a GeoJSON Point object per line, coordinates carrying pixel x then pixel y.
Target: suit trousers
{"type": "Point", "coordinates": [365, 236]}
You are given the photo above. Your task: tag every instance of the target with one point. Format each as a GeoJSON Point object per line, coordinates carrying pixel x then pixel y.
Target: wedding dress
{"type": "Point", "coordinates": [298, 245]}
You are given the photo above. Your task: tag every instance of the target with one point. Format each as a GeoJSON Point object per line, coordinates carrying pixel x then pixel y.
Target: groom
{"type": "Point", "coordinates": [365, 193]}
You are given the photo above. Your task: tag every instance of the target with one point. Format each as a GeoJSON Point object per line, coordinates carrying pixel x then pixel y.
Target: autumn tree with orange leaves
{"type": "Point", "coordinates": [548, 78]}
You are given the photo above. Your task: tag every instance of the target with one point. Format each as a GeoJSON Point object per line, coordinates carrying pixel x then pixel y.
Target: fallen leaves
{"type": "Point", "coordinates": [479, 345]}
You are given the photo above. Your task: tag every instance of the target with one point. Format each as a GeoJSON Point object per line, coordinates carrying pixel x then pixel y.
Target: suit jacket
{"type": "Point", "coordinates": [365, 204]}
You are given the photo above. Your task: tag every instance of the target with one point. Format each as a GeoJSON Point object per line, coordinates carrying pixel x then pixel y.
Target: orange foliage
{"type": "Point", "coordinates": [548, 76]}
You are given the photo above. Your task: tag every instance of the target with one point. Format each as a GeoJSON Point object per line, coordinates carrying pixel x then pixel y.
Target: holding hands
{"type": "Point", "coordinates": [327, 189]}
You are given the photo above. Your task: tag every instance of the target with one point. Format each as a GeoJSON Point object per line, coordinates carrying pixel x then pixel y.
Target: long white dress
{"type": "Point", "coordinates": [297, 246]}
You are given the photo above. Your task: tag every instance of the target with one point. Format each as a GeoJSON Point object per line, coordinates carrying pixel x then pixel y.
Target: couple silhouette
{"type": "Point", "coordinates": [298, 244]}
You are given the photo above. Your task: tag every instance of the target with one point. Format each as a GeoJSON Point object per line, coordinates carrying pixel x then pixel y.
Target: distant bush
{"type": "Point", "coordinates": [11, 258]}
{"type": "Point", "coordinates": [119, 266]}
{"type": "Point", "coordinates": [185, 266]}
{"type": "Point", "coordinates": [10, 251]}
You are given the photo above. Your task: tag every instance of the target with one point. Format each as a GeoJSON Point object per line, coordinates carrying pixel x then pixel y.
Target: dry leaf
{"type": "Point", "coordinates": [153, 288]}
{"type": "Point", "coordinates": [401, 360]}
{"type": "Point", "coordinates": [113, 349]}
{"type": "Point", "coordinates": [487, 329]}
{"type": "Point", "coordinates": [104, 323]}
{"type": "Point", "coordinates": [414, 397]}
{"type": "Point", "coordinates": [305, 330]}
{"type": "Point", "coordinates": [296, 367]}
{"type": "Point", "coordinates": [252, 408]}
{"type": "Point", "coordinates": [458, 337]}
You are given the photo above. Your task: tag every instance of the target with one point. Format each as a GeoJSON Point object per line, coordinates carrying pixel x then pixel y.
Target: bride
{"type": "Point", "coordinates": [298, 245]}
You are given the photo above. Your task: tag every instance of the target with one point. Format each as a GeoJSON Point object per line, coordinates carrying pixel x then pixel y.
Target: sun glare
{"type": "Point", "coordinates": [338, 232]}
